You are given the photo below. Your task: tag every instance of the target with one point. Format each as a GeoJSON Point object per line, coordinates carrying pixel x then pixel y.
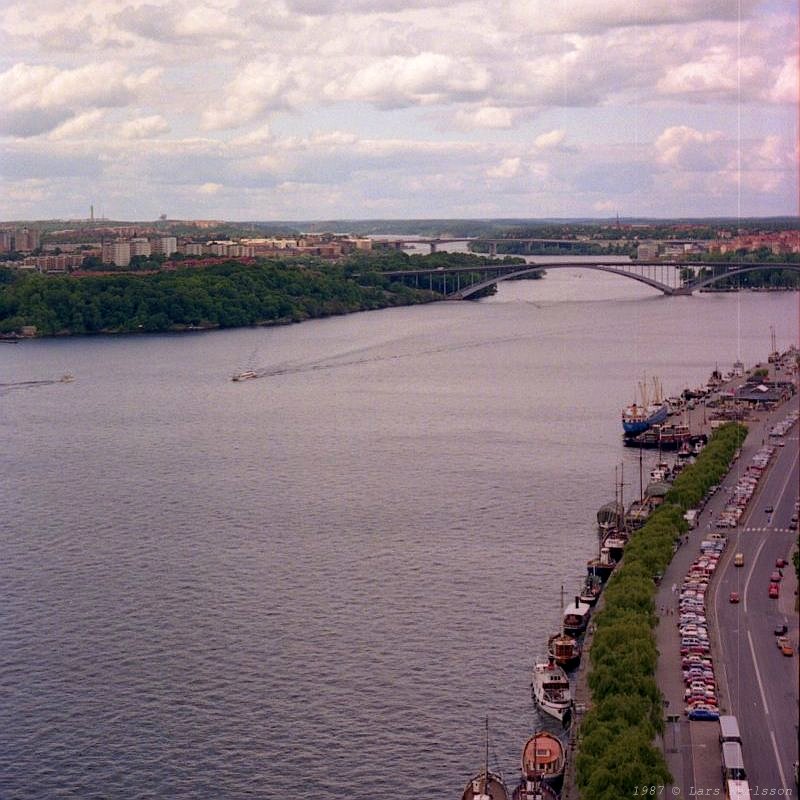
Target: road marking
{"type": "Point", "coordinates": [750, 575]}
{"type": "Point", "coordinates": [758, 678]}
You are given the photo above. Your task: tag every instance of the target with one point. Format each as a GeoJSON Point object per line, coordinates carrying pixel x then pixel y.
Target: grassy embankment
{"type": "Point", "coordinates": [616, 751]}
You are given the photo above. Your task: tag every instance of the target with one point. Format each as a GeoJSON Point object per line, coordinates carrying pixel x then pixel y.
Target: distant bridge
{"type": "Point", "coordinates": [434, 242]}
{"type": "Point", "coordinates": [461, 283]}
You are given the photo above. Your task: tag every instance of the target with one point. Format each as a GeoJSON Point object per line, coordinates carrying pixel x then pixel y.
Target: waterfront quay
{"type": "Point", "coordinates": [753, 680]}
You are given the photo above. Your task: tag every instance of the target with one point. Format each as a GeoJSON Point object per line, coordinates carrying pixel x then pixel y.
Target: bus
{"type": "Point", "coordinates": [729, 729]}
{"type": "Point", "coordinates": [732, 762]}
{"type": "Point", "coordinates": [737, 790]}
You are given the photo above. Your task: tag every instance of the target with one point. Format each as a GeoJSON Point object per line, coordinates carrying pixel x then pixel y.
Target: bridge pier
{"type": "Point", "coordinates": [433, 247]}
{"type": "Point", "coordinates": [493, 249]}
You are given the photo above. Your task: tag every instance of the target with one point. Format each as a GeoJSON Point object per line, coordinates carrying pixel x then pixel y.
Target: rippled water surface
{"type": "Point", "coordinates": [317, 583]}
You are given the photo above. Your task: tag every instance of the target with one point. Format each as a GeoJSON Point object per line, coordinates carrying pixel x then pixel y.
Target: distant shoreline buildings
{"type": "Point", "coordinates": [91, 246]}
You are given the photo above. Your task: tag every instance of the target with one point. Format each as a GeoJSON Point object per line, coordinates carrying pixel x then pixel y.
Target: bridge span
{"type": "Point", "coordinates": [668, 277]}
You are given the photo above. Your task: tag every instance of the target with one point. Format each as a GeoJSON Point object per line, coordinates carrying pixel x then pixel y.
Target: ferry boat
{"type": "Point", "coordinates": [550, 689]}
{"type": "Point", "coordinates": [243, 376]}
{"type": "Point", "coordinates": [576, 617]}
{"type": "Point", "coordinates": [638, 417]}
{"type": "Point", "coordinates": [543, 762]}
{"type": "Point", "coordinates": [565, 650]}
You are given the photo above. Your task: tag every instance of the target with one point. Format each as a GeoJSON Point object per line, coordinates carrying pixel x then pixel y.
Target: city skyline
{"type": "Point", "coordinates": [320, 109]}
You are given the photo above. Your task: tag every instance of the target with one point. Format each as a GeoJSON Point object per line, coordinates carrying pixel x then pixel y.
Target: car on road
{"type": "Point", "coordinates": [774, 590]}
{"type": "Point", "coordinates": [738, 560]}
{"type": "Point", "coordinates": [768, 510]}
{"type": "Point", "coordinates": [776, 576]}
{"type": "Point", "coordinates": [734, 597]}
{"type": "Point", "coordinates": [705, 714]}
{"type": "Point", "coordinates": [781, 630]}
{"type": "Point", "coordinates": [780, 563]}
{"type": "Point", "coordinates": [787, 649]}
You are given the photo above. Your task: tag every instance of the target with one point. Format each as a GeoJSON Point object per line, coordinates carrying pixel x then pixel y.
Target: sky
{"type": "Point", "coordinates": [392, 109]}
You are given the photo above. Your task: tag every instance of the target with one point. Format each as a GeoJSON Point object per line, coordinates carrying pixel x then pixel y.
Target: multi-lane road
{"type": "Point", "coordinates": [761, 684]}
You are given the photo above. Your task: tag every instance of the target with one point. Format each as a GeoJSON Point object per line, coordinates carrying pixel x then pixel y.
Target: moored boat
{"type": "Point", "coordinates": [602, 566]}
{"type": "Point", "coordinates": [543, 762]}
{"type": "Point", "coordinates": [591, 590]}
{"type": "Point", "coordinates": [576, 617]}
{"type": "Point", "coordinates": [551, 690]}
{"type": "Point", "coordinates": [486, 785]}
{"type": "Point", "coordinates": [615, 542]}
{"type": "Point", "coordinates": [638, 417]}
{"type": "Point", "coordinates": [565, 650]}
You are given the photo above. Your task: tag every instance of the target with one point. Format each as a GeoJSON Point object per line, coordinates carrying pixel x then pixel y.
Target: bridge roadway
{"type": "Point", "coordinates": [662, 275]}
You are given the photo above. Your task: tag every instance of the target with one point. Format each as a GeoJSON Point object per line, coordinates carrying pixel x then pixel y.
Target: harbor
{"type": "Point", "coordinates": [764, 398]}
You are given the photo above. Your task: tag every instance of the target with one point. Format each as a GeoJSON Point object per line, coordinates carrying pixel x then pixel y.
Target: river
{"type": "Point", "coordinates": [318, 583]}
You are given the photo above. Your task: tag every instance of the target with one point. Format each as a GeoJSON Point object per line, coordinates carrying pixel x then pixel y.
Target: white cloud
{"type": "Point", "coordinates": [209, 188]}
{"type": "Point", "coordinates": [786, 88]}
{"type": "Point", "coordinates": [144, 127]}
{"type": "Point", "coordinates": [80, 125]}
{"type": "Point", "coordinates": [484, 117]}
{"type": "Point", "coordinates": [507, 168]}
{"type": "Point", "coordinates": [545, 141]}
{"type": "Point", "coordinates": [681, 147]}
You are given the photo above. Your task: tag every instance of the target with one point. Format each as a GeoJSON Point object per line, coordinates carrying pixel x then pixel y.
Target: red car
{"type": "Point", "coordinates": [734, 598]}
{"type": "Point", "coordinates": [774, 590]}
{"type": "Point", "coordinates": [780, 563]}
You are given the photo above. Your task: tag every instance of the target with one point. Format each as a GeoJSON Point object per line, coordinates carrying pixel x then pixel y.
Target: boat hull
{"type": "Point", "coordinates": [633, 425]}
{"type": "Point", "coordinates": [486, 786]}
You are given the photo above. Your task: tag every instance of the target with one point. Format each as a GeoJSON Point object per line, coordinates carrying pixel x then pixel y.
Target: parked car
{"type": "Point", "coordinates": [705, 714]}
{"type": "Point", "coordinates": [774, 590]}
{"type": "Point", "coordinates": [780, 630]}
{"type": "Point", "coordinates": [780, 563]}
{"type": "Point", "coordinates": [787, 649]}
{"type": "Point", "coordinates": [776, 576]}
{"type": "Point", "coordinates": [734, 597]}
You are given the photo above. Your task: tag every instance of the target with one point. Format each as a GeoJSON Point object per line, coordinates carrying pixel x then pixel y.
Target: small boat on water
{"type": "Point", "coordinates": [551, 690]}
{"type": "Point", "coordinates": [591, 590]}
{"type": "Point", "coordinates": [67, 378]}
{"type": "Point", "coordinates": [243, 376]}
{"type": "Point", "coordinates": [615, 542]}
{"type": "Point", "coordinates": [543, 762]}
{"type": "Point", "coordinates": [486, 785]}
{"type": "Point", "coordinates": [602, 566]}
{"type": "Point", "coordinates": [576, 617]}
{"type": "Point", "coordinates": [565, 650]}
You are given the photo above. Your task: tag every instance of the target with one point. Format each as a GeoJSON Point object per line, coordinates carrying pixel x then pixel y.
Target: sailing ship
{"type": "Point", "coordinates": [486, 785]}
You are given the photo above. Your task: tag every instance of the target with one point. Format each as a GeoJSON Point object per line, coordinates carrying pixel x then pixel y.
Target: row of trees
{"type": "Point", "coordinates": [616, 751]}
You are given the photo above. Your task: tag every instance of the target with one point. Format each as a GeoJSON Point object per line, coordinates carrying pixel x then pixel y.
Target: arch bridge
{"type": "Point", "coordinates": [459, 283]}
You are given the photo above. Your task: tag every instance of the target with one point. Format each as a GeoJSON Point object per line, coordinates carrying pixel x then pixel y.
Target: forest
{"type": "Point", "coordinates": [226, 295]}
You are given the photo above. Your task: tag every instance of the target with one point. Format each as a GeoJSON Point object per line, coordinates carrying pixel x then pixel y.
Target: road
{"type": "Point", "coordinates": [760, 685]}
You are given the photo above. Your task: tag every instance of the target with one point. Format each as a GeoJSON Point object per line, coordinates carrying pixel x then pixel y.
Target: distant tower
{"type": "Point", "coordinates": [91, 213]}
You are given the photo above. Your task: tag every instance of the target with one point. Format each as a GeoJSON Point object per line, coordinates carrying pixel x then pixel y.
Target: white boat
{"type": "Point", "coordinates": [243, 376]}
{"type": "Point", "coordinates": [551, 690]}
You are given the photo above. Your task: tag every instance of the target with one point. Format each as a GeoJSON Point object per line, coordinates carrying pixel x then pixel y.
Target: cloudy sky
{"type": "Point", "coordinates": [319, 109]}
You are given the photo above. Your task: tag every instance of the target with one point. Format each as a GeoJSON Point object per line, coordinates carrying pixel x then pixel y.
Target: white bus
{"type": "Point", "coordinates": [737, 790]}
{"type": "Point", "coordinates": [729, 729]}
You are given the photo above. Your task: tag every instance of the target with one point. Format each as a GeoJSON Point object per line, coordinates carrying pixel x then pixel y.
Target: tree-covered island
{"type": "Point", "coordinates": [225, 295]}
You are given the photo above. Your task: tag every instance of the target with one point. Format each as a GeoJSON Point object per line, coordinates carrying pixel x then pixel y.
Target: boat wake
{"type": "Point", "coordinates": [5, 388]}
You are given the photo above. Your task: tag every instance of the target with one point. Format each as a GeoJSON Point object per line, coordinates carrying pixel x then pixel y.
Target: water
{"type": "Point", "coordinates": [317, 583]}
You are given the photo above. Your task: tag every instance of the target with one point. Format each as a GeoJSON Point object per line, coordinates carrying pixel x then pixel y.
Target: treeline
{"type": "Point", "coordinates": [616, 750]}
{"type": "Point", "coordinates": [760, 279]}
{"type": "Point", "coordinates": [226, 295]}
